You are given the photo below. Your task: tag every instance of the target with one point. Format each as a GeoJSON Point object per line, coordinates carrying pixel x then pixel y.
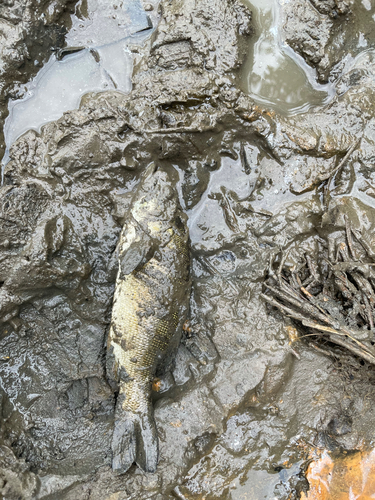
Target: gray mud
{"type": "Point", "coordinates": [242, 404]}
{"type": "Point", "coordinates": [274, 75]}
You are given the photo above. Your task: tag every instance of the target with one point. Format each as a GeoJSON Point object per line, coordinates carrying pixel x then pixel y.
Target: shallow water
{"type": "Point", "coordinates": [274, 75]}
{"type": "Point", "coordinates": [262, 485]}
{"type": "Point", "coordinates": [59, 86]}
{"type": "Point", "coordinates": [363, 26]}
{"type": "Point", "coordinates": [106, 31]}
{"type": "Point", "coordinates": [229, 184]}
{"type": "Point", "coordinates": [96, 23]}
{"type": "Point", "coordinates": [239, 351]}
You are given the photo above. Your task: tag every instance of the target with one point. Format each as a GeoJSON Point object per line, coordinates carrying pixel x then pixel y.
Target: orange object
{"type": "Point", "coordinates": [156, 384]}
{"type": "Point", "coordinates": [347, 477]}
{"type": "Point", "coordinates": [186, 327]}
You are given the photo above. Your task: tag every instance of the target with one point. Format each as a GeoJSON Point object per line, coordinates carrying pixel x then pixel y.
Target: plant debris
{"type": "Point", "coordinates": [334, 298]}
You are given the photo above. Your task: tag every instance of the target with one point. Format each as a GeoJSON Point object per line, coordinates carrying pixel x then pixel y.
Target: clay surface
{"type": "Point", "coordinates": [245, 399]}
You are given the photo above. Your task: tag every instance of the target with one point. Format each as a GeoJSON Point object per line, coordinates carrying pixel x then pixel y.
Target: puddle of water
{"type": "Point", "coordinates": [59, 86]}
{"type": "Point", "coordinates": [262, 485]}
{"type": "Point", "coordinates": [231, 181]}
{"type": "Point", "coordinates": [363, 29]}
{"type": "Point", "coordinates": [273, 74]}
{"type": "Point", "coordinates": [207, 216]}
{"type": "Point", "coordinates": [109, 28]}
{"type": "Point", "coordinates": [96, 23]}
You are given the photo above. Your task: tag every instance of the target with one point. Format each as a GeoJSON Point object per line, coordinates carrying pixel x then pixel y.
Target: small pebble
{"type": "Point", "coordinates": [149, 7]}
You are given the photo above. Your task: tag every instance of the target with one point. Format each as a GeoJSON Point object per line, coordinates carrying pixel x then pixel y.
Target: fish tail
{"type": "Point", "coordinates": [134, 440]}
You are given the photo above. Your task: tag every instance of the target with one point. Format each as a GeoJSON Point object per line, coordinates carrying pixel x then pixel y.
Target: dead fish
{"type": "Point", "coordinates": [149, 308]}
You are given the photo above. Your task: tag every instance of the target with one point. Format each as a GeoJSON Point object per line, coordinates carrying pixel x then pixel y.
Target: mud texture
{"type": "Point", "coordinates": [234, 413]}
{"type": "Point", "coordinates": [315, 30]}
{"type": "Point", "coordinates": [29, 29]}
{"type": "Point", "coordinates": [325, 33]}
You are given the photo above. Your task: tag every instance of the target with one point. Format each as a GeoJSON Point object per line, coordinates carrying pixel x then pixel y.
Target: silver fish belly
{"type": "Point", "coordinates": [150, 305]}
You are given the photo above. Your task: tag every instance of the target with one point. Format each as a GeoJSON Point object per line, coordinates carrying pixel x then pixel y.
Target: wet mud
{"type": "Point", "coordinates": [275, 75]}
{"type": "Point", "coordinates": [248, 397]}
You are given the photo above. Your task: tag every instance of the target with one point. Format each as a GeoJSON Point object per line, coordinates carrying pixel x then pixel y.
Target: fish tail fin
{"type": "Point", "coordinates": [123, 445]}
{"type": "Point", "coordinates": [135, 440]}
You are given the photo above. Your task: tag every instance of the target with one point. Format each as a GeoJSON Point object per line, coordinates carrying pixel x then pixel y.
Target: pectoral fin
{"type": "Point", "coordinates": [134, 250]}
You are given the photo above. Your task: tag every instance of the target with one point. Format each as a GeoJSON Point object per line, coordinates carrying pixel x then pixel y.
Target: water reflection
{"type": "Point", "coordinates": [105, 31]}
{"type": "Point", "coordinates": [59, 86]}
{"type": "Point", "coordinates": [263, 485]}
{"type": "Point", "coordinates": [273, 74]}
{"type": "Point", "coordinates": [95, 22]}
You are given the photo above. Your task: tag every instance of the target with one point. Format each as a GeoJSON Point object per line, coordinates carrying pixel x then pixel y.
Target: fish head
{"type": "Point", "coordinates": [156, 197]}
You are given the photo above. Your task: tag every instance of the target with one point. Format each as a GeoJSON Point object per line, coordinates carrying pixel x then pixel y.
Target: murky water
{"type": "Point", "coordinates": [232, 184]}
{"type": "Point", "coordinates": [262, 485]}
{"type": "Point", "coordinates": [207, 217]}
{"type": "Point", "coordinates": [60, 85]}
{"type": "Point", "coordinates": [363, 25]}
{"type": "Point", "coordinates": [104, 31]}
{"type": "Point", "coordinates": [231, 241]}
{"type": "Point", "coordinates": [96, 23]}
{"type": "Point", "coordinates": [273, 74]}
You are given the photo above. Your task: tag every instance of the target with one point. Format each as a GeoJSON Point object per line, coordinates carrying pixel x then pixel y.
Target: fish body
{"type": "Point", "coordinates": [150, 304]}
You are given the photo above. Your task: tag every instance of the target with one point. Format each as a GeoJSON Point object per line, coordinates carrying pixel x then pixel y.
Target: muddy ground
{"type": "Point", "coordinates": [245, 403]}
